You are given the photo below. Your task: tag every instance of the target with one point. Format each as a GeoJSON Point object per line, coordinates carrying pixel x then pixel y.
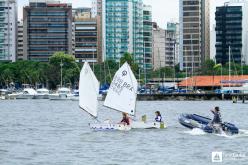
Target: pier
{"type": "Point", "coordinates": [192, 97]}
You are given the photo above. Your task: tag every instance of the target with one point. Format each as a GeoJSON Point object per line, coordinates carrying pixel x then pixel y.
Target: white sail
{"type": "Point", "coordinates": [88, 90]}
{"type": "Point", "coordinates": [123, 91]}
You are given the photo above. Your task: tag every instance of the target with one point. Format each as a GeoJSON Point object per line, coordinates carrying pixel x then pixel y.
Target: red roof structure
{"type": "Point", "coordinates": [213, 81]}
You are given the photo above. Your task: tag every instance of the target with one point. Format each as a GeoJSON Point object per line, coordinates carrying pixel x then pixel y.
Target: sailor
{"type": "Point", "coordinates": [125, 119]}
{"type": "Point", "coordinates": [158, 117]}
{"type": "Point", "coordinates": [217, 116]}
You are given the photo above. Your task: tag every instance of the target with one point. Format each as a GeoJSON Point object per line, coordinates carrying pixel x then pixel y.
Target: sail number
{"type": "Point", "coordinates": [118, 84]}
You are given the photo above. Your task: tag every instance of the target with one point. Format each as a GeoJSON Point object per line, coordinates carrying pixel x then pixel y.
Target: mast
{"type": "Point", "coordinates": [192, 62]}
{"type": "Point", "coordinates": [145, 62]}
{"type": "Point", "coordinates": [229, 65]}
{"type": "Point", "coordinates": [93, 60]}
{"type": "Point", "coordinates": [61, 73]}
{"type": "Point", "coordinates": [242, 67]}
{"type": "Point", "coordinates": [174, 64]}
{"type": "Point", "coordinates": [186, 67]}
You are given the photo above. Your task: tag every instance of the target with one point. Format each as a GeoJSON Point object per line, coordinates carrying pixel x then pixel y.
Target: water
{"type": "Point", "coordinates": [37, 132]}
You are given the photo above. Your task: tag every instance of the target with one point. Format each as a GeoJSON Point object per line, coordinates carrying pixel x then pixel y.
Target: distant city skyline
{"type": "Point", "coordinates": [163, 10]}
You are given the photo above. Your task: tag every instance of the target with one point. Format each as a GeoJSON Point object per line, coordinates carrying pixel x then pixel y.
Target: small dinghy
{"type": "Point", "coordinates": [196, 121]}
{"type": "Point", "coordinates": [88, 94]}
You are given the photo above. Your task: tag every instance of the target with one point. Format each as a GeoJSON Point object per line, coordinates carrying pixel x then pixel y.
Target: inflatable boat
{"type": "Point", "coordinates": [196, 121]}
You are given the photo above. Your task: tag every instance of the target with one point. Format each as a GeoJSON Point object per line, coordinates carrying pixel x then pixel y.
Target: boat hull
{"type": "Point", "coordinates": [147, 125]}
{"type": "Point", "coordinates": [59, 97]}
{"type": "Point", "coordinates": [192, 121]}
{"type": "Point", "coordinates": [109, 127]}
{"type": "Point", "coordinates": [25, 96]}
{"type": "Point", "coordinates": [41, 97]}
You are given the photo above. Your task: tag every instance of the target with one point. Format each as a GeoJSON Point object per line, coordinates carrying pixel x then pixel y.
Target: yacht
{"type": "Point", "coordinates": [42, 93]}
{"type": "Point", "coordinates": [3, 93]}
{"type": "Point", "coordinates": [75, 95]}
{"type": "Point", "coordinates": [27, 93]}
{"type": "Point", "coordinates": [61, 94]}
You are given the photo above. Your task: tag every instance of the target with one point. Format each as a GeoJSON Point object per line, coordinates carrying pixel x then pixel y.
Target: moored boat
{"type": "Point", "coordinates": [61, 94]}
{"type": "Point", "coordinates": [27, 93]}
{"type": "Point", "coordinates": [42, 93]}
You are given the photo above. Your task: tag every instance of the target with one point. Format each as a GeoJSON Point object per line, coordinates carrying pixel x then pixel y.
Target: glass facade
{"type": "Point", "coordinates": [147, 36]}
{"type": "Point", "coordinates": [48, 30]}
{"type": "Point", "coordinates": [124, 29]}
{"type": "Point", "coordinates": [228, 33]}
{"type": "Point", "coordinates": [8, 30]}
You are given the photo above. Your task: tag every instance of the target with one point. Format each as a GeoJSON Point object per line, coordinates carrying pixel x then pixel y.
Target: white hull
{"type": "Point", "coordinates": [147, 125]}
{"type": "Point", "coordinates": [75, 98]}
{"type": "Point", "coordinates": [12, 96]}
{"type": "Point", "coordinates": [41, 96]}
{"type": "Point", "coordinates": [109, 127]}
{"type": "Point", "coordinates": [25, 96]}
{"type": "Point", "coordinates": [59, 97]}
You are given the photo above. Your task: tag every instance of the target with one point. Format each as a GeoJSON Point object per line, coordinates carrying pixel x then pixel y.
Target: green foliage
{"type": "Point", "coordinates": [208, 67]}
{"type": "Point", "coordinates": [128, 57]}
{"type": "Point", "coordinates": [30, 72]}
{"type": "Point", "coordinates": [70, 69]}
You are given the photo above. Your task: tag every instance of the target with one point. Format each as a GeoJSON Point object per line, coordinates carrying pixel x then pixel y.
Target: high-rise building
{"type": "Point", "coordinates": [20, 41]}
{"type": "Point", "coordinates": [172, 44]}
{"type": "Point", "coordinates": [96, 9]}
{"type": "Point", "coordinates": [96, 12]}
{"type": "Point", "coordinates": [47, 28]}
{"type": "Point", "coordinates": [8, 30]}
{"type": "Point", "coordinates": [85, 37]}
{"type": "Point", "coordinates": [159, 38]}
{"type": "Point", "coordinates": [231, 32]}
{"type": "Point", "coordinates": [78, 13]}
{"type": "Point", "coordinates": [212, 43]}
{"type": "Point", "coordinates": [147, 31]}
{"type": "Point", "coordinates": [123, 29]}
{"type": "Point", "coordinates": [194, 33]}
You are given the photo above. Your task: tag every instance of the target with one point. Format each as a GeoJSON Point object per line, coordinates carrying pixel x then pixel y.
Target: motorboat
{"type": "Point", "coordinates": [27, 93]}
{"type": "Point", "coordinates": [3, 93]}
{"type": "Point", "coordinates": [61, 94]}
{"type": "Point", "coordinates": [192, 121]}
{"type": "Point", "coordinates": [42, 93]}
{"type": "Point", "coordinates": [75, 96]}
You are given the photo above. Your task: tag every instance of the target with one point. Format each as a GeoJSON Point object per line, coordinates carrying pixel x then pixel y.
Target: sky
{"type": "Point", "coordinates": [163, 10]}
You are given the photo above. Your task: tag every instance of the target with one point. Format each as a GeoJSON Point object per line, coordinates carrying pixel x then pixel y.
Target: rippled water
{"type": "Point", "coordinates": [38, 132]}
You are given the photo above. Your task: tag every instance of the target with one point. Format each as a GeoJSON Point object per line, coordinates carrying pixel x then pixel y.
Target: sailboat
{"type": "Point", "coordinates": [122, 96]}
{"type": "Point", "coordinates": [89, 89]}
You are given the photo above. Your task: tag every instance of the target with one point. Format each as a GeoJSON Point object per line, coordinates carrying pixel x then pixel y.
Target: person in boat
{"type": "Point", "coordinates": [217, 116]}
{"type": "Point", "coordinates": [125, 119]}
{"type": "Point", "coordinates": [158, 117]}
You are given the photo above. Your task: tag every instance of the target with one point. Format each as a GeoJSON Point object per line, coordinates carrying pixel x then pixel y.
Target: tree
{"type": "Point", "coordinates": [70, 69]}
{"type": "Point", "coordinates": [128, 57]}
{"type": "Point", "coordinates": [208, 67]}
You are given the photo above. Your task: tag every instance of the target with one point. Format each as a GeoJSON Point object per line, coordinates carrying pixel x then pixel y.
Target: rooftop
{"type": "Point", "coordinates": [210, 81]}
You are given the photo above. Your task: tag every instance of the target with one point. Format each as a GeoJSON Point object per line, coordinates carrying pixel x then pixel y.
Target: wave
{"type": "Point", "coordinates": [242, 133]}
{"type": "Point", "coordinates": [196, 131]}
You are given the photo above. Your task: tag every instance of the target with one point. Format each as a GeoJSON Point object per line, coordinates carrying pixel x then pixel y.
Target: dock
{"type": "Point", "coordinates": [191, 97]}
